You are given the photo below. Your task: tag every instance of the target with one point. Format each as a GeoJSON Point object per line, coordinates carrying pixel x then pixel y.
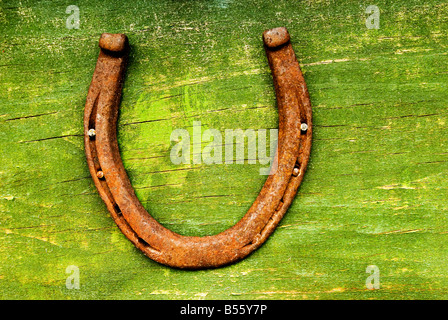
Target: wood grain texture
{"type": "Point", "coordinates": [374, 193]}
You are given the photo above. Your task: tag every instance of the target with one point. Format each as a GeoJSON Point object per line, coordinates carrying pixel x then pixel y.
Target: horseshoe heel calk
{"type": "Point", "coordinates": [114, 42]}
{"type": "Point", "coordinates": [274, 38]}
{"type": "Point", "coordinates": [110, 178]}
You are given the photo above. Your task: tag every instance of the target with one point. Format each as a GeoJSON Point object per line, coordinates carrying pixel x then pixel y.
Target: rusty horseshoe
{"type": "Point", "coordinates": [276, 195]}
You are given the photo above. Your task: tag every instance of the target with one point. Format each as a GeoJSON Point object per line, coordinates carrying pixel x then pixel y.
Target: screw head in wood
{"type": "Point", "coordinates": [296, 171]}
{"type": "Point", "coordinates": [303, 127]}
{"type": "Point", "coordinates": [91, 133]}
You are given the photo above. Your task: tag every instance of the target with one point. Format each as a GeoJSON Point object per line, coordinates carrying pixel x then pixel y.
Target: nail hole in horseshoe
{"type": "Point", "coordinates": [92, 117]}
{"type": "Point", "coordinates": [143, 242]}
{"type": "Point", "coordinates": [117, 209]}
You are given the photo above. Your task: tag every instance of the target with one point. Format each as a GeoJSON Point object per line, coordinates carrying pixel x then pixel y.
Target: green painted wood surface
{"type": "Point", "coordinates": [375, 192]}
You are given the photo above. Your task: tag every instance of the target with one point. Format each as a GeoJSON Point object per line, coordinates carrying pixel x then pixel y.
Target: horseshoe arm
{"type": "Point", "coordinates": [276, 195]}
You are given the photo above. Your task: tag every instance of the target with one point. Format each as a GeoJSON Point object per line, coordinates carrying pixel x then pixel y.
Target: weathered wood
{"type": "Point", "coordinates": [374, 193]}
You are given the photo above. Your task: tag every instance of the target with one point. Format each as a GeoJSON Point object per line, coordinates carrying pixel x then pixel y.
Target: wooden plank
{"type": "Point", "coordinates": [374, 194]}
